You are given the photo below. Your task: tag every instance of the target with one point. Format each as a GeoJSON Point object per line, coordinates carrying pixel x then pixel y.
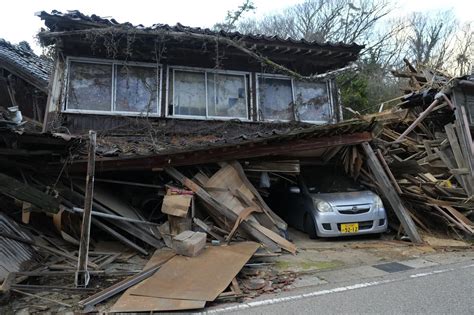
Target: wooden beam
{"type": "Point", "coordinates": [82, 276]}
{"type": "Point", "coordinates": [390, 194]}
{"type": "Point", "coordinates": [217, 209]}
{"type": "Point", "coordinates": [27, 193]}
{"type": "Point", "coordinates": [242, 151]}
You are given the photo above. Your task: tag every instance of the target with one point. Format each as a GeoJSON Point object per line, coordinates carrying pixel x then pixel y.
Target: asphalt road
{"type": "Point", "coordinates": [444, 289]}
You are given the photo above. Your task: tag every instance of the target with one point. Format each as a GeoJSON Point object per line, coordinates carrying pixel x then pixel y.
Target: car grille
{"type": "Point", "coordinates": [350, 209]}
{"type": "Point", "coordinates": [364, 225]}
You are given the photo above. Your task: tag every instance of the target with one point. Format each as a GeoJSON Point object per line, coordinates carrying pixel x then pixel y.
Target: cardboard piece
{"type": "Point", "coordinates": [176, 205]}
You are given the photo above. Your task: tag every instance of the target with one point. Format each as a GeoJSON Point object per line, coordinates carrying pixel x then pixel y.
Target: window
{"type": "Point", "coordinates": [189, 96]}
{"type": "Point", "coordinates": [90, 87]}
{"type": "Point", "coordinates": [275, 98]}
{"type": "Point", "coordinates": [201, 93]}
{"type": "Point", "coordinates": [112, 87]}
{"type": "Point", "coordinates": [136, 89]}
{"type": "Point", "coordinates": [282, 98]}
{"type": "Point", "coordinates": [312, 101]}
{"type": "Point", "coordinates": [226, 95]}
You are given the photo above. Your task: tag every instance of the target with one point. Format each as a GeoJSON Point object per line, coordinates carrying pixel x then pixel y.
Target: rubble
{"type": "Point", "coordinates": [187, 202]}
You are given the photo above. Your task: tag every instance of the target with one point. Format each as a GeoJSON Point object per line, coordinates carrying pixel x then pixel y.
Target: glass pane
{"type": "Point", "coordinates": [90, 86]}
{"type": "Point", "coordinates": [312, 101]}
{"type": "Point", "coordinates": [189, 93]}
{"type": "Point", "coordinates": [275, 98]}
{"type": "Point", "coordinates": [226, 95]}
{"type": "Point", "coordinates": [136, 89]}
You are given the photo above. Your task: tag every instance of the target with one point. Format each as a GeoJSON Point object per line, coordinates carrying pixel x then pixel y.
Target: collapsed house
{"type": "Point", "coordinates": [185, 124]}
{"type": "Point", "coordinates": [23, 81]}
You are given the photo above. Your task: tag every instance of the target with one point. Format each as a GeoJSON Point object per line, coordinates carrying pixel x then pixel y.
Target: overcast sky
{"type": "Point", "coordinates": [17, 20]}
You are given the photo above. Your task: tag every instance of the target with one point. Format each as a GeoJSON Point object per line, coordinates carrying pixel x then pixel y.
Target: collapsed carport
{"type": "Point", "coordinates": [340, 143]}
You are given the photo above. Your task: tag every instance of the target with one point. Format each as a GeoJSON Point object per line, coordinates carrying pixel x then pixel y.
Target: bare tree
{"type": "Point", "coordinates": [430, 37]}
{"type": "Point", "coordinates": [463, 57]}
{"type": "Point", "coordinates": [234, 16]}
{"type": "Point", "coordinates": [321, 20]}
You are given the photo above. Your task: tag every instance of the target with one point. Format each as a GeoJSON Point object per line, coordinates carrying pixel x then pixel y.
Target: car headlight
{"type": "Point", "coordinates": [378, 202]}
{"type": "Point", "coordinates": [322, 206]}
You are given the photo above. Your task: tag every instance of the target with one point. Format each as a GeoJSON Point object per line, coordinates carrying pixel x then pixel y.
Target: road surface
{"type": "Point", "coordinates": [442, 289]}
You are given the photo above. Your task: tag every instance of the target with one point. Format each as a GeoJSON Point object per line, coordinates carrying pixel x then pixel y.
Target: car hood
{"type": "Point", "coordinates": [347, 198]}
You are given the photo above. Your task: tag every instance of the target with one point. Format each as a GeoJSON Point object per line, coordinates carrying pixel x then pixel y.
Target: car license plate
{"type": "Point", "coordinates": [350, 228]}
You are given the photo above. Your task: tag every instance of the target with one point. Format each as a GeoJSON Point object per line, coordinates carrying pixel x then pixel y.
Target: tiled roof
{"type": "Point", "coordinates": [23, 62]}
{"type": "Point", "coordinates": [58, 21]}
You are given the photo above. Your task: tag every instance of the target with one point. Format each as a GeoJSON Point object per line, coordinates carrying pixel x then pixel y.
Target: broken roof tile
{"type": "Point", "coordinates": [23, 62]}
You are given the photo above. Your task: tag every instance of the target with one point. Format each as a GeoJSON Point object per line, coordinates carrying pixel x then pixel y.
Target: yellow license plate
{"type": "Point", "coordinates": [350, 228]}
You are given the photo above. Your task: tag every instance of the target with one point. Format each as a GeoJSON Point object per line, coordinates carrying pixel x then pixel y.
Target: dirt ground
{"type": "Point", "coordinates": [333, 253]}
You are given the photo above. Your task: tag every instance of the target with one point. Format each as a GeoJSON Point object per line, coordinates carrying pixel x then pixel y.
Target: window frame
{"type": "Point", "coordinates": [272, 76]}
{"type": "Point", "coordinates": [172, 69]}
{"type": "Point", "coordinates": [281, 76]}
{"type": "Point", "coordinates": [113, 64]}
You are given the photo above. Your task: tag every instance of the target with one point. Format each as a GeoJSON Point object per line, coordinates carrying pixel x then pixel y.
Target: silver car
{"type": "Point", "coordinates": [327, 204]}
{"type": "Point", "coordinates": [348, 213]}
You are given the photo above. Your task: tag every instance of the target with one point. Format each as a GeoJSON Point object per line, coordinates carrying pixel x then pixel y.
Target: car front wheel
{"type": "Point", "coordinates": [309, 227]}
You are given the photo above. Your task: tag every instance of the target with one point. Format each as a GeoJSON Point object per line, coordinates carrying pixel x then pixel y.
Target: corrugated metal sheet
{"type": "Point", "coordinates": [13, 254]}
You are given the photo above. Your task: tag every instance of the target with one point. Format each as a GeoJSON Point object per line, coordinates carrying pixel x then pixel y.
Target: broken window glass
{"type": "Point", "coordinates": [90, 86]}
{"type": "Point", "coordinates": [312, 101]}
{"type": "Point", "coordinates": [226, 95]}
{"type": "Point", "coordinates": [136, 89]}
{"type": "Point", "coordinates": [189, 93]}
{"type": "Point", "coordinates": [275, 98]}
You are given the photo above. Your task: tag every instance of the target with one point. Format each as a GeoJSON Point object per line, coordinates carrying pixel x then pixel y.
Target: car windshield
{"type": "Point", "coordinates": [323, 181]}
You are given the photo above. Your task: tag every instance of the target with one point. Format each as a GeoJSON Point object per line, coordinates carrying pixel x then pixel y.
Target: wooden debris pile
{"type": "Point", "coordinates": [427, 153]}
{"type": "Point", "coordinates": [208, 222]}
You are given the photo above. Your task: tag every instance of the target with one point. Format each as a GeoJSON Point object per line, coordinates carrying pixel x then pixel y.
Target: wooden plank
{"type": "Point", "coordinates": [142, 232]}
{"type": "Point", "coordinates": [207, 229]}
{"type": "Point", "coordinates": [202, 277]}
{"type": "Point", "coordinates": [27, 193]}
{"type": "Point", "coordinates": [462, 127]}
{"type": "Point", "coordinates": [390, 194]}
{"type": "Point", "coordinates": [82, 276]}
{"type": "Point", "coordinates": [281, 224]}
{"type": "Point", "coordinates": [461, 218]}
{"type": "Point", "coordinates": [290, 166]}
{"type": "Point", "coordinates": [218, 210]}
{"type": "Point", "coordinates": [458, 156]}
{"type": "Point", "coordinates": [285, 244]}
{"type": "Point", "coordinates": [387, 170]}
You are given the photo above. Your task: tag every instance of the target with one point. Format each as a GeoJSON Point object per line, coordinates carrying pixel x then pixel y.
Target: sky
{"type": "Point", "coordinates": [18, 22]}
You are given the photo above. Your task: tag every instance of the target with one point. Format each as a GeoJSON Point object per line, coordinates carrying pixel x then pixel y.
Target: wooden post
{"type": "Point", "coordinates": [390, 194]}
{"type": "Point", "coordinates": [82, 275]}
{"type": "Point", "coordinates": [418, 120]}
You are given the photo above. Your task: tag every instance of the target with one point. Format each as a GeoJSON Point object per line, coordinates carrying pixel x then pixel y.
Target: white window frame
{"type": "Point", "coordinates": [281, 76]}
{"type": "Point", "coordinates": [113, 64]}
{"type": "Point", "coordinates": [205, 71]}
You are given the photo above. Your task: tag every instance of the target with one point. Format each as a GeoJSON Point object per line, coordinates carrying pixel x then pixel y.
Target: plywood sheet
{"type": "Point", "coordinates": [132, 303]}
{"type": "Point", "coordinates": [135, 304]}
{"type": "Point", "coordinates": [202, 277]}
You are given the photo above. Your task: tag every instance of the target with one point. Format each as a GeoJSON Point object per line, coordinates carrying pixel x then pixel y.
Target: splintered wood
{"type": "Point", "coordinates": [235, 205]}
{"type": "Point", "coordinates": [428, 156]}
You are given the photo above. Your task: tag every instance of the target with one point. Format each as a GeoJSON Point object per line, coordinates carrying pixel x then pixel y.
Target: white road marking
{"type": "Point", "coordinates": [357, 286]}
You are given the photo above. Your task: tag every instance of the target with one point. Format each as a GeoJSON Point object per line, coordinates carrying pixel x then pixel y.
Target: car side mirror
{"type": "Point", "coordinates": [295, 190]}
